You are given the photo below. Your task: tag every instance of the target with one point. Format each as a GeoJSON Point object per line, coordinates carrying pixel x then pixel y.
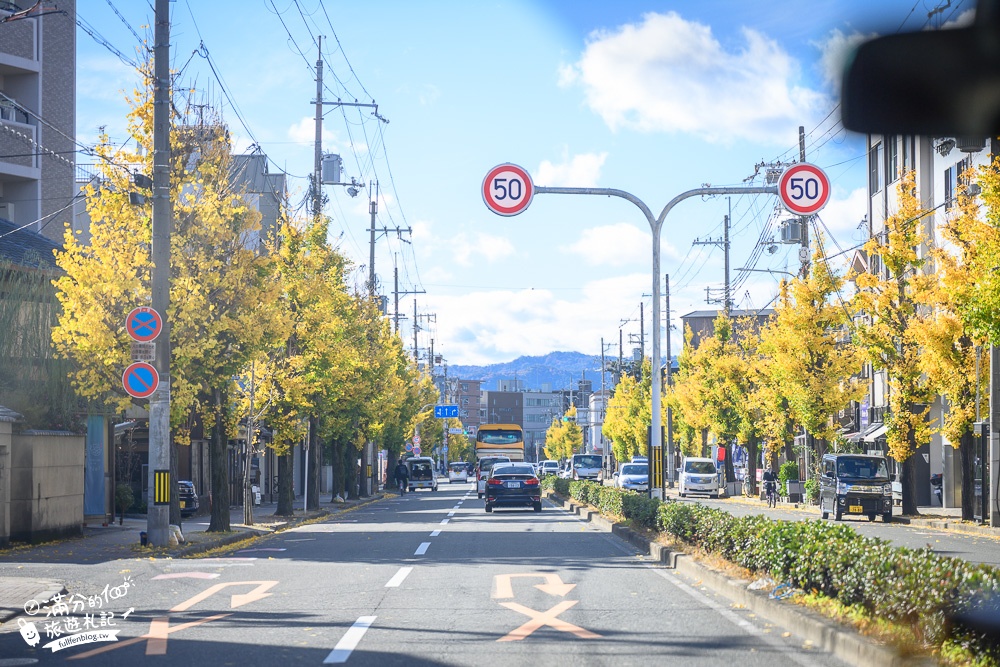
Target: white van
{"type": "Point", "coordinates": [422, 474]}
{"type": "Point", "coordinates": [587, 466]}
{"type": "Point", "coordinates": [699, 476]}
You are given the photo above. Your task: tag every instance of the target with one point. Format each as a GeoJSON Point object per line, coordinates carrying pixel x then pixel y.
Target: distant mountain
{"type": "Point", "coordinates": [556, 369]}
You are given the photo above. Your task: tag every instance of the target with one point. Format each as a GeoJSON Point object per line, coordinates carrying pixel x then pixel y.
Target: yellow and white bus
{"type": "Point", "coordinates": [500, 440]}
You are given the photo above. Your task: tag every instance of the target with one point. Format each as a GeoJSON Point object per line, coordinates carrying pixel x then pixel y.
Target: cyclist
{"type": "Point", "coordinates": [402, 475]}
{"type": "Point", "coordinates": [770, 487]}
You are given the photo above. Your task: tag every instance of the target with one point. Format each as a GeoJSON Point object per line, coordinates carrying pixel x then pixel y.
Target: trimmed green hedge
{"type": "Point", "coordinates": [912, 586]}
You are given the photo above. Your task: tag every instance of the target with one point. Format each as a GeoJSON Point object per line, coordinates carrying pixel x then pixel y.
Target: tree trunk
{"type": "Point", "coordinates": [704, 441]}
{"type": "Point", "coordinates": [338, 469]}
{"type": "Point", "coordinates": [175, 503]}
{"type": "Point", "coordinates": [286, 494]}
{"type": "Point", "coordinates": [315, 460]}
{"type": "Point", "coordinates": [965, 450]}
{"type": "Point", "coordinates": [220, 470]}
{"type": "Point", "coordinates": [751, 477]}
{"type": "Point", "coordinates": [908, 481]}
{"type": "Point", "coordinates": [728, 464]}
{"type": "Point", "coordinates": [352, 471]}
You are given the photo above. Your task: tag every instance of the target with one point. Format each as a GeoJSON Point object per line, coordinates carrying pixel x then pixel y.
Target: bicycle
{"type": "Point", "coordinates": [401, 484]}
{"type": "Point", "coordinates": [772, 494]}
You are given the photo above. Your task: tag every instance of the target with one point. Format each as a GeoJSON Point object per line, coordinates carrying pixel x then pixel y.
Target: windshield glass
{"type": "Point", "coordinates": [515, 470]}
{"type": "Point", "coordinates": [586, 461]}
{"type": "Point", "coordinates": [487, 463]}
{"type": "Point", "coordinates": [457, 467]}
{"type": "Point", "coordinates": [498, 437]}
{"type": "Point", "coordinates": [862, 468]}
{"type": "Point", "coordinates": [634, 469]}
{"type": "Point", "coordinates": [699, 467]}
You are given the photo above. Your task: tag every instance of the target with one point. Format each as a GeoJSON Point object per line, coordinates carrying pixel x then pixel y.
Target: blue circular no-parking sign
{"type": "Point", "coordinates": [140, 379]}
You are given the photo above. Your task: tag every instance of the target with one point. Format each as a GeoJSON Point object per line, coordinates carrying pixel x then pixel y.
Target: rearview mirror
{"type": "Point", "coordinates": [936, 83]}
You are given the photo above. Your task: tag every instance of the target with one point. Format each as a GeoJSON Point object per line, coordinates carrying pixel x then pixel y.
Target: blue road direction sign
{"type": "Point", "coordinates": [143, 324]}
{"type": "Point", "coordinates": [140, 380]}
{"type": "Point", "coordinates": [445, 411]}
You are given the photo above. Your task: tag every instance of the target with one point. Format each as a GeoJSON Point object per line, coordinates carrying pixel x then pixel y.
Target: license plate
{"type": "Point", "coordinates": [856, 509]}
{"type": "Point", "coordinates": [513, 485]}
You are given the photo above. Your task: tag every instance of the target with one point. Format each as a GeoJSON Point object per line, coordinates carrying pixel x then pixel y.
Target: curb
{"type": "Point", "coordinates": [839, 640]}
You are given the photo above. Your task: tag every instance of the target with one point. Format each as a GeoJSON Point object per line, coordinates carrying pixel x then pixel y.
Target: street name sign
{"type": "Point", "coordinates": [143, 324]}
{"type": "Point", "coordinates": [804, 188]}
{"type": "Point", "coordinates": [507, 189]}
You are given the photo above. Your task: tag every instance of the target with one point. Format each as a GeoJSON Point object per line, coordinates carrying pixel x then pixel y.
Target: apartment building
{"type": "Point", "coordinates": [38, 118]}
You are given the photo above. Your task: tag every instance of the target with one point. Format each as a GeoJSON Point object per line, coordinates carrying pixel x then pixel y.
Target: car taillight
{"type": "Point", "coordinates": [493, 481]}
{"type": "Point", "coordinates": [531, 482]}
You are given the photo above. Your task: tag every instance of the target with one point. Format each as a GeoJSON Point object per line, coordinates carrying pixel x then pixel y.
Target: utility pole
{"type": "Point", "coordinates": [157, 513]}
{"type": "Point", "coordinates": [724, 244]}
{"type": "Point", "coordinates": [416, 328]}
{"type": "Point", "coordinates": [396, 316]}
{"type": "Point", "coordinates": [642, 331]}
{"type": "Point", "coordinates": [669, 466]}
{"type": "Point", "coordinates": [373, 209]}
{"type": "Point", "coordinates": [317, 193]}
{"type": "Point", "coordinates": [804, 220]}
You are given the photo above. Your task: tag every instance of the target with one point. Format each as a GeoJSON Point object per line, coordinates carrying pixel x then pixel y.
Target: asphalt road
{"type": "Point", "coordinates": [970, 547]}
{"type": "Point", "coordinates": [425, 579]}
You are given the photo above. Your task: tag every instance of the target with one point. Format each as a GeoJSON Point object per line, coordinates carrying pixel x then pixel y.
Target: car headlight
{"type": "Point", "coordinates": [843, 487]}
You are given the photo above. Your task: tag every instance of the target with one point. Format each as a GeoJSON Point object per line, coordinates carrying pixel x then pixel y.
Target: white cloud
{"type": "Point", "coordinates": [843, 217]}
{"type": "Point", "coordinates": [581, 171]}
{"type": "Point", "coordinates": [834, 52]}
{"type": "Point", "coordinates": [465, 248]}
{"type": "Point", "coordinates": [667, 74]}
{"type": "Point", "coordinates": [304, 132]}
{"type": "Point", "coordinates": [620, 244]}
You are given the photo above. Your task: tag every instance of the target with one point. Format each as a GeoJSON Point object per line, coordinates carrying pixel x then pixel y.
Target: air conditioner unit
{"type": "Point", "coordinates": [791, 231]}
{"type": "Point", "coordinates": [7, 211]}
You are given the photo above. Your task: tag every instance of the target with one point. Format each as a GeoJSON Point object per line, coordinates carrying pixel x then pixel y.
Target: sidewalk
{"type": "Point", "coordinates": [117, 542]}
{"type": "Point", "coordinates": [940, 518]}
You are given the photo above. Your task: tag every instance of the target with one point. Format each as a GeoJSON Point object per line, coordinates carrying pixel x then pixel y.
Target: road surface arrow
{"type": "Point", "coordinates": [553, 584]}
{"type": "Point", "coordinates": [237, 600]}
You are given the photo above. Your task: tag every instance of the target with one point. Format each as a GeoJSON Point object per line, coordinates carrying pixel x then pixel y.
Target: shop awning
{"type": "Point", "coordinates": [875, 432]}
{"type": "Point", "coordinates": [854, 436]}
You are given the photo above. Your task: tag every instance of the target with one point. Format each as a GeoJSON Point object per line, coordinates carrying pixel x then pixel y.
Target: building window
{"type": "Point", "coordinates": [892, 146]}
{"type": "Point", "coordinates": [875, 178]}
{"type": "Point", "coordinates": [907, 154]}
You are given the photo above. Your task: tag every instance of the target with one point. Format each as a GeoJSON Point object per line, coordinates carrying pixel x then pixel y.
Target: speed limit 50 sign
{"type": "Point", "coordinates": [804, 188]}
{"type": "Point", "coordinates": [507, 189]}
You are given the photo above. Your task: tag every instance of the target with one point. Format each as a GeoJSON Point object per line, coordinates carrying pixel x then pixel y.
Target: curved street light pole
{"type": "Point", "coordinates": [655, 225]}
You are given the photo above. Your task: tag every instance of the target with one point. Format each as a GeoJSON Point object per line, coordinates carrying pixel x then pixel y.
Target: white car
{"type": "Point", "coordinates": [458, 471]}
{"type": "Point", "coordinates": [548, 468]}
{"type": "Point", "coordinates": [633, 476]}
{"type": "Point", "coordinates": [699, 476]}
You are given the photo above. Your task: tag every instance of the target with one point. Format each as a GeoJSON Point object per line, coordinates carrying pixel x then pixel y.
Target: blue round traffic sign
{"type": "Point", "coordinates": [140, 379]}
{"type": "Point", "coordinates": [143, 324]}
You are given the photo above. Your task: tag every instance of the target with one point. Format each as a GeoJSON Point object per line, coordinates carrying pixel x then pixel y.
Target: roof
{"type": "Point", "coordinates": [764, 312]}
{"type": "Point", "coordinates": [26, 248]}
{"type": "Point", "coordinates": [8, 415]}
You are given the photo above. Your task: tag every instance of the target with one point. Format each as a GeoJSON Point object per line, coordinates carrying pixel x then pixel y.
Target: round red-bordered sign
{"type": "Point", "coordinates": [143, 324]}
{"type": "Point", "coordinates": [804, 188]}
{"type": "Point", "coordinates": [507, 189]}
{"type": "Point", "coordinates": [140, 379]}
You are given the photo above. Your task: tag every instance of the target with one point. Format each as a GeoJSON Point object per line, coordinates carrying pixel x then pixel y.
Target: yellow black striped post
{"type": "Point", "coordinates": [161, 487]}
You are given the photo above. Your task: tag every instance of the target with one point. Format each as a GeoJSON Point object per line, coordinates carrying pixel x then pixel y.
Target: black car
{"type": "Point", "coordinates": [513, 485]}
{"type": "Point", "coordinates": [855, 484]}
{"type": "Point", "coordinates": [188, 497]}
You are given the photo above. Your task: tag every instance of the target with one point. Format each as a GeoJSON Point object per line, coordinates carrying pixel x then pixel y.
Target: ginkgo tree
{"type": "Point", "coordinates": [564, 437]}
{"type": "Point", "coordinates": [888, 295]}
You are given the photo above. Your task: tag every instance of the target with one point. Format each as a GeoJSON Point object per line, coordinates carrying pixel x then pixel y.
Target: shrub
{"type": "Point", "coordinates": [123, 497]}
{"type": "Point", "coordinates": [789, 471]}
{"type": "Point", "coordinates": [812, 490]}
{"type": "Point", "coordinates": [642, 511]}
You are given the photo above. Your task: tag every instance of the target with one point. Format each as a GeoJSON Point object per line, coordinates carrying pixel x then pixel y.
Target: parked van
{"type": "Point", "coordinates": [855, 484]}
{"type": "Point", "coordinates": [699, 476]}
{"type": "Point", "coordinates": [422, 473]}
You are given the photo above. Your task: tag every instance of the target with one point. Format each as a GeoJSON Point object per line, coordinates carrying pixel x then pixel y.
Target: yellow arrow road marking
{"type": "Point", "coordinates": [553, 584]}
{"type": "Point", "coordinates": [237, 600]}
{"type": "Point", "coordinates": [540, 619]}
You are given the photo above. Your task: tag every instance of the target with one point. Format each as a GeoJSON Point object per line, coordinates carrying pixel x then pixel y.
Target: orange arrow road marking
{"type": "Point", "coordinates": [156, 638]}
{"type": "Point", "coordinates": [539, 619]}
{"type": "Point", "coordinates": [237, 600]}
{"type": "Point", "coordinates": [553, 584]}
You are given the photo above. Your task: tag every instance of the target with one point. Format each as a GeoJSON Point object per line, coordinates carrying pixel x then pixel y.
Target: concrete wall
{"type": "Point", "coordinates": [5, 430]}
{"type": "Point", "coordinates": [46, 486]}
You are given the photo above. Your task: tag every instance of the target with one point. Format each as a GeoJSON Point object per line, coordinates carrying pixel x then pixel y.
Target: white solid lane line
{"type": "Point", "coordinates": [397, 578]}
{"type": "Point", "coordinates": [342, 651]}
{"type": "Point", "coordinates": [422, 549]}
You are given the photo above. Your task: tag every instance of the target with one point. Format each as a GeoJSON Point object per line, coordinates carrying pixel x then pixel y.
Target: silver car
{"type": "Point", "coordinates": [633, 476]}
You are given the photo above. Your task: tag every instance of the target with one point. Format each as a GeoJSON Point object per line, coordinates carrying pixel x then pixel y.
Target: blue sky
{"type": "Point", "coordinates": [654, 98]}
